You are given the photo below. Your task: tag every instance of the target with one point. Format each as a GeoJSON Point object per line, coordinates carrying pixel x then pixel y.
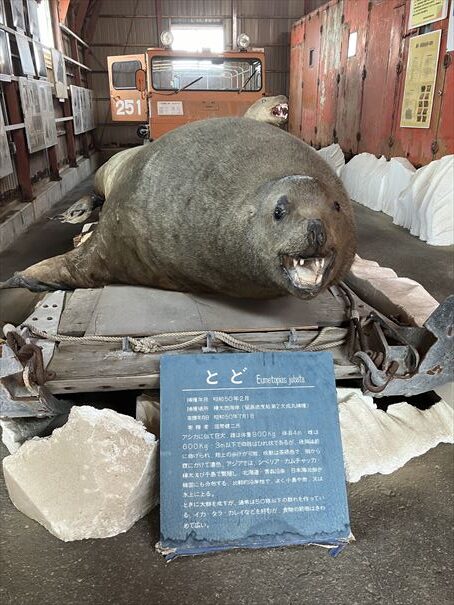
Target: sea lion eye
{"type": "Point", "coordinates": [337, 206]}
{"type": "Point", "coordinates": [281, 208]}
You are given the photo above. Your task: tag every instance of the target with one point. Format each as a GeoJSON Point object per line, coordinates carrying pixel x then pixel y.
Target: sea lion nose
{"type": "Point", "coordinates": [316, 232]}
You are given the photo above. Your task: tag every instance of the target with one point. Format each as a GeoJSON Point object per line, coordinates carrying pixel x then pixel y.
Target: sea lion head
{"type": "Point", "coordinates": [305, 233]}
{"type": "Point", "coordinates": [272, 110]}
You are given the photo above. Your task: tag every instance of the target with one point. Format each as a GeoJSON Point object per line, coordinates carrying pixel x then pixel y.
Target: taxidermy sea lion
{"type": "Point", "coordinates": [226, 205]}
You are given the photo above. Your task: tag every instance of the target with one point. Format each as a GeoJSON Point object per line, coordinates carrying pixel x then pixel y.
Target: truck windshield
{"type": "Point", "coordinates": [225, 74]}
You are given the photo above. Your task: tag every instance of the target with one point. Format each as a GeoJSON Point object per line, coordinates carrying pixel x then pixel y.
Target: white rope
{"type": "Point", "coordinates": [327, 338]}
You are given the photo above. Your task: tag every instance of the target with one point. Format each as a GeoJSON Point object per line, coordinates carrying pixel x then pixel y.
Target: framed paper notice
{"type": "Point", "coordinates": [423, 12]}
{"type": "Point", "coordinates": [420, 80]}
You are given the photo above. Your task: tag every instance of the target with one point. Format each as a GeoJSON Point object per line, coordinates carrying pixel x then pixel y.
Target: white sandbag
{"type": "Point", "coordinates": [334, 156]}
{"type": "Point", "coordinates": [397, 178]}
{"type": "Point", "coordinates": [405, 207]}
{"type": "Point", "coordinates": [426, 206]}
{"type": "Point", "coordinates": [375, 441]}
{"type": "Point", "coordinates": [354, 175]}
{"type": "Point", "coordinates": [436, 208]}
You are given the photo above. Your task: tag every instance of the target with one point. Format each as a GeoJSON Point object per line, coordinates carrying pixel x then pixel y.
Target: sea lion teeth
{"type": "Point", "coordinates": [301, 261]}
{"type": "Point", "coordinates": [273, 110]}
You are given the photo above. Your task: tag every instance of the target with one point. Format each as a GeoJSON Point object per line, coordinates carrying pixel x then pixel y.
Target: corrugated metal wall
{"type": "Point", "coordinates": [131, 26]}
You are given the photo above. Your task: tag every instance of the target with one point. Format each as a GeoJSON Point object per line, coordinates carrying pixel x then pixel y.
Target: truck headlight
{"type": "Point", "coordinates": [243, 41]}
{"type": "Point", "coordinates": [166, 39]}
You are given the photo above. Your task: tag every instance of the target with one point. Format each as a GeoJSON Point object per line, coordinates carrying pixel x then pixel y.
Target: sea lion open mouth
{"type": "Point", "coordinates": [307, 274]}
{"type": "Point", "coordinates": [280, 111]}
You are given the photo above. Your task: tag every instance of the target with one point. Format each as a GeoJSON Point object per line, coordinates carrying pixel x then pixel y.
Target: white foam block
{"type": "Point", "coordinates": [434, 208]}
{"type": "Point", "coordinates": [92, 478]}
{"type": "Point", "coordinates": [362, 178]}
{"type": "Point", "coordinates": [398, 174]}
{"type": "Point", "coordinates": [375, 441]}
{"type": "Point", "coordinates": [334, 156]}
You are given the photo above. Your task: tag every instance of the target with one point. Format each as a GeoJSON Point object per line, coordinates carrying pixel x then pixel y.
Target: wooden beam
{"type": "Point", "coordinates": [55, 21]}
{"type": "Point", "coordinates": [81, 13]}
{"type": "Point", "coordinates": [53, 164]}
{"type": "Point", "coordinates": [158, 12]}
{"type": "Point", "coordinates": [70, 138]}
{"type": "Point", "coordinates": [89, 26]}
{"type": "Point", "coordinates": [22, 158]}
{"type": "Point", "coordinates": [78, 82]}
{"type": "Point", "coordinates": [63, 7]}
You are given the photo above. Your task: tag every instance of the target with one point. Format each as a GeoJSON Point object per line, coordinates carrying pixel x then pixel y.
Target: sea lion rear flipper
{"type": "Point", "coordinates": [64, 272]}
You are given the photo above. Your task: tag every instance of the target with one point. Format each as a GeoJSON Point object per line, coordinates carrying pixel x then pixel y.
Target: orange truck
{"type": "Point", "coordinates": [163, 88]}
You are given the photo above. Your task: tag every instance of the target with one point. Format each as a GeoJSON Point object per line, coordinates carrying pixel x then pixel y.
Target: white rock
{"type": "Point", "coordinates": [334, 155]}
{"type": "Point", "coordinates": [92, 478]}
{"type": "Point", "coordinates": [375, 441]}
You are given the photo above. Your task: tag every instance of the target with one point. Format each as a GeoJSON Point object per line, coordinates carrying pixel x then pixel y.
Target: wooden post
{"type": "Point", "coordinates": [22, 158]}
{"type": "Point", "coordinates": [53, 164]}
{"type": "Point", "coordinates": [69, 128]}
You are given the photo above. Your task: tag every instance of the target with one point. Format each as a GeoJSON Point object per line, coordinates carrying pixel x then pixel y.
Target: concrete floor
{"type": "Point", "coordinates": [402, 522]}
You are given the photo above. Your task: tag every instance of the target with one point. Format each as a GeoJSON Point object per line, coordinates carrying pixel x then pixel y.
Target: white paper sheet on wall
{"type": "Point", "coordinates": [39, 116]}
{"type": "Point", "coordinates": [83, 109]}
{"type": "Point", "coordinates": [6, 165]}
{"type": "Point", "coordinates": [60, 82]}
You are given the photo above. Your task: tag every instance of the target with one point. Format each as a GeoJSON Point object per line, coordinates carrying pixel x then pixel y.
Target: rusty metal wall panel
{"type": "Point", "coordinates": [444, 137]}
{"type": "Point", "coordinates": [381, 86]}
{"type": "Point", "coordinates": [356, 19]}
{"type": "Point", "coordinates": [365, 114]}
{"type": "Point", "coordinates": [311, 57]}
{"type": "Point", "coordinates": [296, 79]}
{"type": "Point", "coordinates": [329, 67]}
{"type": "Point", "coordinates": [420, 145]}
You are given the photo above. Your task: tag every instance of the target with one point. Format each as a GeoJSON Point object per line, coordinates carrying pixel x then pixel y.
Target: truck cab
{"type": "Point", "coordinates": [166, 88]}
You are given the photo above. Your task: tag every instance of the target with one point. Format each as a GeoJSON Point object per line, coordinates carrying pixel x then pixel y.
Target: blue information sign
{"type": "Point", "coordinates": [251, 452]}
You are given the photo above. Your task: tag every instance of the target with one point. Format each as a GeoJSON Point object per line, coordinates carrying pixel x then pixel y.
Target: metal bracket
{"type": "Point", "coordinates": [209, 346]}
{"type": "Point", "coordinates": [400, 372]}
{"type": "Point", "coordinates": [292, 342]}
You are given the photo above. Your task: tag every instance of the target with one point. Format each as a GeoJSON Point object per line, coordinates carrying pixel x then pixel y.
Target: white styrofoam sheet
{"type": "Point", "coordinates": [419, 200]}
{"type": "Point", "coordinates": [375, 441]}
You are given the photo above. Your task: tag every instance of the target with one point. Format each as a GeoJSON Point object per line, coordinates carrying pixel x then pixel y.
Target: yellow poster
{"type": "Point", "coordinates": [420, 80]}
{"type": "Point", "coordinates": [423, 12]}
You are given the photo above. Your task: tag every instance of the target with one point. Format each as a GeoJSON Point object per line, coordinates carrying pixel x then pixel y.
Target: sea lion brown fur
{"type": "Point", "coordinates": [224, 205]}
{"type": "Point", "coordinates": [272, 110]}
